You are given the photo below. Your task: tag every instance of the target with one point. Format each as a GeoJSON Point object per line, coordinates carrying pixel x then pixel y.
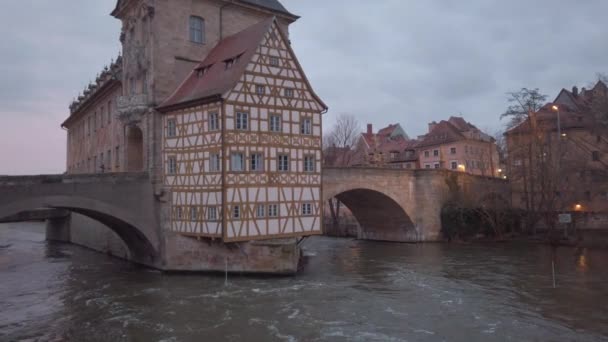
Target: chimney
{"type": "Point", "coordinates": [575, 91]}
{"type": "Point", "coordinates": [369, 129]}
{"type": "Point", "coordinates": [432, 125]}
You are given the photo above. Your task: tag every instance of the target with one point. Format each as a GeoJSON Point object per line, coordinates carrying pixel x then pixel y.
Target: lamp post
{"type": "Point", "coordinates": [558, 159]}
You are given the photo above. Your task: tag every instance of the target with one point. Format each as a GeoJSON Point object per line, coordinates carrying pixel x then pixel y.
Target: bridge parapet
{"type": "Point", "coordinates": [73, 178]}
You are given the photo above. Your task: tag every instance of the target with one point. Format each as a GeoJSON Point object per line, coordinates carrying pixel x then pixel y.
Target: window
{"type": "Point", "coordinates": [427, 166]}
{"type": "Point", "coordinates": [260, 211]}
{"type": "Point", "coordinates": [95, 122]}
{"type": "Point", "coordinates": [236, 212]}
{"type": "Point", "coordinates": [179, 213]}
{"type": "Point", "coordinates": [172, 165]}
{"type": "Point", "coordinates": [132, 85]}
{"type": "Point", "coordinates": [588, 195]}
{"type": "Point", "coordinates": [237, 162]}
{"type": "Point", "coordinates": [242, 121]}
{"type": "Point", "coordinates": [212, 213]}
{"type": "Point", "coordinates": [274, 61]}
{"type": "Point", "coordinates": [109, 160]}
{"type": "Point", "coordinates": [193, 213]}
{"type": "Point", "coordinates": [309, 164]}
{"type": "Point", "coordinates": [257, 162]}
{"type": "Point", "coordinates": [436, 165]}
{"type": "Point", "coordinates": [101, 113]}
{"type": "Point", "coordinates": [426, 154]}
{"type": "Point", "coordinates": [595, 155]}
{"type": "Point", "coordinates": [214, 162]}
{"type": "Point", "coordinates": [214, 121]}
{"type": "Point", "coordinates": [275, 123]}
{"type": "Point", "coordinates": [260, 89]}
{"type": "Point", "coordinates": [454, 165]}
{"type": "Point", "coordinates": [109, 111]}
{"type": "Point", "coordinates": [306, 209]}
{"type": "Point", "coordinates": [171, 131]}
{"type": "Point", "coordinates": [273, 210]}
{"type": "Point", "coordinates": [452, 150]}
{"type": "Point", "coordinates": [288, 92]}
{"type": "Point", "coordinates": [517, 162]}
{"type": "Point", "coordinates": [306, 126]}
{"type": "Point", "coordinates": [197, 30]}
{"type": "Point", "coordinates": [101, 166]}
{"type": "Point", "coordinates": [283, 162]}
{"type": "Point", "coordinates": [436, 153]}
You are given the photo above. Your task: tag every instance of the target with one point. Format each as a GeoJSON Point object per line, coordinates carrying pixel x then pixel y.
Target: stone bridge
{"type": "Point", "coordinates": [124, 202]}
{"type": "Point", "coordinates": [389, 204]}
{"type": "Point", "coordinates": [137, 211]}
{"type": "Point", "coordinates": [404, 205]}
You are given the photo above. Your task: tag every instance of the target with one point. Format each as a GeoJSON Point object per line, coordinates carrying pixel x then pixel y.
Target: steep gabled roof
{"type": "Point", "coordinates": [212, 78]}
{"type": "Point", "coordinates": [223, 67]}
{"type": "Point", "coordinates": [443, 133]}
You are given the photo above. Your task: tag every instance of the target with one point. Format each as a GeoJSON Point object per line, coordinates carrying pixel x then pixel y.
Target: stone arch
{"type": "Point", "coordinates": [135, 149]}
{"type": "Point", "coordinates": [380, 216]}
{"type": "Point", "coordinates": [142, 244]}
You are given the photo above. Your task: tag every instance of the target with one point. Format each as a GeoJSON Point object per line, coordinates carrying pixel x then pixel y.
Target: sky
{"type": "Point", "coordinates": [383, 61]}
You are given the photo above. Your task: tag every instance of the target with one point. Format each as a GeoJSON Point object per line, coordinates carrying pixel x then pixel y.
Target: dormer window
{"type": "Point", "coordinates": [228, 63]}
{"type": "Point", "coordinates": [200, 72]}
{"type": "Point", "coordinates": [197, 30]}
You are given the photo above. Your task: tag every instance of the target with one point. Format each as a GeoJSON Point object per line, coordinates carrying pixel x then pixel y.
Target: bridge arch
{"type": "Point", "coordinates": [141, 241]}
{"type": "Point", "coordinates": [380, 216]}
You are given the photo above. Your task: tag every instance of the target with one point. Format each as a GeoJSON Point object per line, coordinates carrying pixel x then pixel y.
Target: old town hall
{"type": "Point", "coordinates": [210, 100]}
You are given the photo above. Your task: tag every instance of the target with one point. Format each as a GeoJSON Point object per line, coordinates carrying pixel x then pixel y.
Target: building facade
{"type": "Point", "coordinates": [565, 168]}
{"type": "Point", "coordinates": [240, 155]}
{"type": "Point", "coordinates": [455, 144]}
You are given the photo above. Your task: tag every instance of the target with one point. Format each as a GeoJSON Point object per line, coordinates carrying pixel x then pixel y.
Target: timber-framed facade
{"type": "Point", "coordinates": [248, 166]}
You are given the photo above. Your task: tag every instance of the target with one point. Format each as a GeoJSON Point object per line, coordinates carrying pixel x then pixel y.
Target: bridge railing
{"type": "Point", "coordinates": [72, 178]}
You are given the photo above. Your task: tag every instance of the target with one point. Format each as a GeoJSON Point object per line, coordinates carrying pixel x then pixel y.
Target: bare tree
{"type": "Point", "coordinates": [340, 141]}
{"type": "Point", "coordinates": [523, 102]}
{"type": "Point", "coordinates": [529, 159]}
{"type": "Point", "coordinates": [346, 131]}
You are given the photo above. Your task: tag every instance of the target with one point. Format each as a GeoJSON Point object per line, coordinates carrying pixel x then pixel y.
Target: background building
{"type": "Point", "coordinates": [565, 170]}
{"type": "Point", "coordinates": [460, 146]}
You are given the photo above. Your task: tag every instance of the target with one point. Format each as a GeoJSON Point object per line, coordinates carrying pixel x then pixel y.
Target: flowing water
{"type": "Point", "coordinates": [349, 291]}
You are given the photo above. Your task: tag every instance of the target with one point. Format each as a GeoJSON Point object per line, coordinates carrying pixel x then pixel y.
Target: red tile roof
{"type": "Point", "coordinates": [212, 77]}
{"type": "Point", "coordinates": [443, 133]}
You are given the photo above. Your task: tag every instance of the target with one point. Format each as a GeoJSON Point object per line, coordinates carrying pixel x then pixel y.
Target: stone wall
{"type": "Point", "coordinates": [94, 235]}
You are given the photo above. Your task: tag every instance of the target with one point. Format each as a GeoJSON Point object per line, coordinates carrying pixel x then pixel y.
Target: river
{"type": "Point", "coordinates": [348, 291]}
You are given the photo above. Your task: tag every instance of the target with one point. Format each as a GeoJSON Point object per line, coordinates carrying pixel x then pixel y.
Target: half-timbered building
{"type": "Point", "coordinates": [242, 142]}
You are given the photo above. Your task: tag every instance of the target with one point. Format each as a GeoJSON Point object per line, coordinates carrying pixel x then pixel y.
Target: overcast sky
{"type": "Point", "coordinates": [384, 61]}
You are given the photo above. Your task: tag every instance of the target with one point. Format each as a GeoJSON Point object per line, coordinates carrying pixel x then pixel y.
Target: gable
{"type": "Point", "coordinates": [564, 98]}
{"type": "Point", "coordinates": [275, 67]}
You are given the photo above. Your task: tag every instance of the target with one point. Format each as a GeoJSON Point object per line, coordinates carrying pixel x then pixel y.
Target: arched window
{"type": "Point", "coordinates": [197, 30]}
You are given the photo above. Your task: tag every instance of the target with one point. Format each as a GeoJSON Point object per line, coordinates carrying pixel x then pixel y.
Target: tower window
{"type": "Point", "coordinates": [197, 30]}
